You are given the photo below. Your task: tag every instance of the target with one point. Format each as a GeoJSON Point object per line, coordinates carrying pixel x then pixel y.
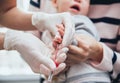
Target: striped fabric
{"type": "Point", "coordinates": [106, 16]}
{"type": "Point", "coordinates": [106, 2]}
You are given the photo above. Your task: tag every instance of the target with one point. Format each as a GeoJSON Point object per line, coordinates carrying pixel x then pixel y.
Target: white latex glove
{"type": "Point", "coordinates": [60, 58]}
{"type": "Point", "coordinates": [43, 21]}
{"type": "Point", "coordinates": [31, 49]}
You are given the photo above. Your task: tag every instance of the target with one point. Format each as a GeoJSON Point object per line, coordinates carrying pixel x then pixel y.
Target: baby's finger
{"type": "Point", "coordinates": [61, 26]}
{"type": "Point", "coordinates": [61, 32]}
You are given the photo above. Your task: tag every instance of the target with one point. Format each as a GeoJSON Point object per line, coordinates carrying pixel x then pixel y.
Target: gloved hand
{"type": "Point", "coordinates": [31, 49]}
{"type": "Point", "coordinates": [58, 60]}
{"type": "Point", "coordinates": [43, 21]}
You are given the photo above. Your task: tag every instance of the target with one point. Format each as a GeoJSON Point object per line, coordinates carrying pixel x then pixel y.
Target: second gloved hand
{"type": "Point", "coordinates": [44, 21]}
{"type": "Point", "coordinates": [32, 50]}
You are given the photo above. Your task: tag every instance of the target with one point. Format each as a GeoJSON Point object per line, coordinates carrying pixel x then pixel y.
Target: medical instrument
{"type": "Point", "coordinates": [50, 77]}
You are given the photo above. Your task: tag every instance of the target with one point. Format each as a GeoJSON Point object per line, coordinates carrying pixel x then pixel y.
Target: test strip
{"type": "Point", "coordinates": [50, 77]}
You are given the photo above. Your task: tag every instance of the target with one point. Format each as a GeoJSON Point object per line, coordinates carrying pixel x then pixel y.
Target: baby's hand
{"type": "Point", "coordinates": [59, 37]}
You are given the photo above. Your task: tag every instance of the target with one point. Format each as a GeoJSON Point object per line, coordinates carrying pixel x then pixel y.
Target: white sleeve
{"type": "Point", "coordinates": [110, 62]}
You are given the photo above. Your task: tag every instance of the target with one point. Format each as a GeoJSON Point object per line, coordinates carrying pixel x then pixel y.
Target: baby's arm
{"type": "Point", "coordinates": [58, 38]}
